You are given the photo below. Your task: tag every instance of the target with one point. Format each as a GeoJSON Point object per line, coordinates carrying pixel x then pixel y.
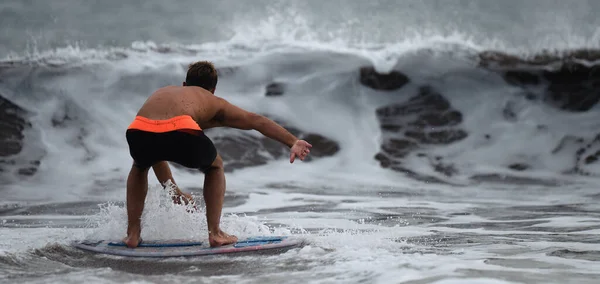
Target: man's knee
{"type": "Point", "coordinates": [137, 170]}
{"type": "Point", "coordinates": [217, 164]}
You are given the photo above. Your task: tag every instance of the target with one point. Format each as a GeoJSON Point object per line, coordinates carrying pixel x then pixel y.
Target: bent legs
{"type": "Point", "coordinates": [137, 188]}
{"type": "Point", "coordinates": [214, 194]}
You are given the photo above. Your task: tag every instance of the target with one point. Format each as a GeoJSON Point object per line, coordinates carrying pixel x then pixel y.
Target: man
{"type": "Point", "coordinates": [168, 127]}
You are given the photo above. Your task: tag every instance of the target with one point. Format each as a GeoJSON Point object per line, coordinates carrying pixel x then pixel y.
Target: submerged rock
{"type": "Point", "coordinates": [585, 152]}
{"type": "Point", "coordinates": [570, 84]}
{"type": "Point", "coordinates": [12, 124]}
{"type": "Point", "coordinates": [518, 166]}
{"type": "Point", "coordinates": [574, 87]}
{"type": "Point", "coordinates": [386, 82]}
{"type": "Point", "coordinates": [424, 121]}
{"type": "Point", "coordinates": [275, 89]}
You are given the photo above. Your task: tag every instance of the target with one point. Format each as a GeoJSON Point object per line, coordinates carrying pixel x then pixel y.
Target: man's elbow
{"type": "Point", "coordinates": [255, 121]}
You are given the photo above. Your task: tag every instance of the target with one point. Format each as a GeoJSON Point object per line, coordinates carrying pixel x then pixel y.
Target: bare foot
{"type": "Point", "coordinates": [221, 238]}
{"type": "Point", "coordinates": [132, 241]}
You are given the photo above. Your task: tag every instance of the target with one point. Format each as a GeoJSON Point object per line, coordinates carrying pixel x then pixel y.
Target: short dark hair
{"type": "Point", "coordinates": [202, 74]}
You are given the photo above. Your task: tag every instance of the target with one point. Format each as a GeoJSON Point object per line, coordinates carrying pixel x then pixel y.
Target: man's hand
{"type": "Point", "coordinates": [187, 198]}
{"type": "Point", "coordinates": [179, 196]}
{"type": "Point", "coordinates": [300, 149]}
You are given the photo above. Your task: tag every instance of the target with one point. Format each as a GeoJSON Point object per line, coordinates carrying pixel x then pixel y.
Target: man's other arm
{"type": "Point", "coordinates": [232, 116]}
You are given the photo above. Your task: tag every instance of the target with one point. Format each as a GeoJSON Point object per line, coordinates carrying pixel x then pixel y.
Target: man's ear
{"type": "Point", "coordinates": [184, 84]}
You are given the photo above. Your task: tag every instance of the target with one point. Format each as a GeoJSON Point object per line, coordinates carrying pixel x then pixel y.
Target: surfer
{"type": "Point", "coordinates": [169, 127]}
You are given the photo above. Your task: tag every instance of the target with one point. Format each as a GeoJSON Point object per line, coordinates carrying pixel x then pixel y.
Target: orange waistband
{"type": "Point", "coordinates": [164, 125]}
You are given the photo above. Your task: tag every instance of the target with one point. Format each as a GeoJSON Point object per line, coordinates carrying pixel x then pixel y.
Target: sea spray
{"type": "Point", "coordinates": [164, 219]}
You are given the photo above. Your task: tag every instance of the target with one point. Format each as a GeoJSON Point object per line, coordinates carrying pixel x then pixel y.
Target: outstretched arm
{"type": "Point", "coordinates": [233, 116]}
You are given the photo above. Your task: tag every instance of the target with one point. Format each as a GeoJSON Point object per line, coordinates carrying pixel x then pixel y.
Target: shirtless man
{"type": "Point", "coordinates": [168, 127]}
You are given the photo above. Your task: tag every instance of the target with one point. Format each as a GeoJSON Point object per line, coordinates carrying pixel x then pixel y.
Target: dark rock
{"type": "Point", "coordinates": [495, 58]}
{"type": "Point", "coordinates": [522, 78]}
{"type": "Point", "coordinates": [384, 160]}
{"type": "Point", "coordinates": [27, 171]}
{"type": "Point", "coordinates": [574, 87]}
{"type": "Point", "coordinates": [398, 148]}
{"type": "Point", "coordinates": [391, 127]}
{"type": "Point", "coordinates": [13, 121]}
{"type": "Point", "coordinates": [518, 167]}
{"type": "Point", "coordinates": [571, 86]}
{"type": "Point", "coordinates": [531, 96]}
{"type": "Point", "coordinates": [442, 137]}
{"type": "Point", "coordinates": [427, 120]}
{"type": "Point", "coordinates": [508, 112]}
{"type": "Point", "coordinates": [386, 82]}
{"type": "Point", "coordinates": [12, 124]}
{"type": "Point", "coordinates": [275, 89]}
{"type": "Point", "coordinates": [449, 118]}
{"type": "Point", "coordinates": [322, 146]}
{"type": "Point", "coordinates": [446, 169]}
{"type": "Point", "coordinates": [592, 158]}
{"type": "Point", "coordinates": [585, 151]}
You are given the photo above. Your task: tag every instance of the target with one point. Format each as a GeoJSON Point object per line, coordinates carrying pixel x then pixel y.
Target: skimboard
{"type": "Point", "coordinates": [179, 248]}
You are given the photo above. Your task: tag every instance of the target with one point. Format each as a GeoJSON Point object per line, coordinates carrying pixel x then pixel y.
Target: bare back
{"type": "Point", "coordinates": [171, 101]}
{"type": "Point", "coordinates": [210, 111]}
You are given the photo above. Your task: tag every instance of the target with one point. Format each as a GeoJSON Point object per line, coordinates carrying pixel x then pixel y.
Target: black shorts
{"type": "Point", "coordinates": [189, 148]}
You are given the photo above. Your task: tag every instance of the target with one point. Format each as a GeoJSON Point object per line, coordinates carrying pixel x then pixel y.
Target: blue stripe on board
{"type": "Point", "coordinates": [254, 241]}
{"type": "Point", "coordinates": [157, 244]}
{"type": "Point", "coordinates": [257, 241]}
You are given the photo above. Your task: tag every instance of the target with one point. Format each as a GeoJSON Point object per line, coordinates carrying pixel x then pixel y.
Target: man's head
{"type": "Point", "coordinates": [202, 74]}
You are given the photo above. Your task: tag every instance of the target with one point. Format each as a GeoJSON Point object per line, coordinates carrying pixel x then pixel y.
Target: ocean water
{"type": "Point", "coordinates": [475, 161]}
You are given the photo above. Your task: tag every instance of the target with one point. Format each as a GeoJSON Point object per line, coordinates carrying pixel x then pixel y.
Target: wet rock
{"type": "Point", "coordinates": [570, 84]}
{"type": "Point", "coordinates": [495, 58]}
{"type": "Point", "coordinates": [574, 86]}
{"type": "Point", "coordinates": [30, 171]}
{"type": "Point", "coordinates": [585, 152]}
{"type": "Point", "coordinates": [443, 137]}
{"type": "Point", "coordinates": [275, 89]}
{"type": "Point", "coordinates": [522, 78]}
{"type": "Point", "coordinates": [398, 148]}
{"type": "Point", "coordinates": [518, 167]}
{"type": "Point", "coordinates": [426, 120]}
{"type": "Point", "coordinates": [446, 169]}
{"type": "Point", "coordinates": [450, 118]}
{"type": "Point", "coordinates": [386, 82]}
{"type": "Point", "coordinates": [12, 124]}
{"type": "Point", "coordinates": [509, 112]}
{"type": "Point", "coordinates": [322, 146]}
{"type": "Point", "coordinates": [592, 158]}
